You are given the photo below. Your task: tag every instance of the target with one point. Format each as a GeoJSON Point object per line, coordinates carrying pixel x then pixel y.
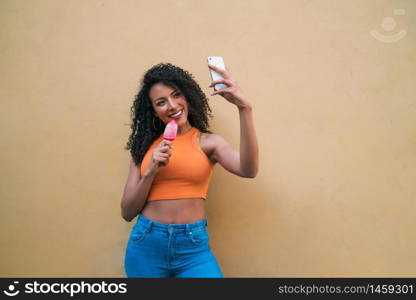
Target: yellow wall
{"type": "Point", "coordinates": [334, 112]}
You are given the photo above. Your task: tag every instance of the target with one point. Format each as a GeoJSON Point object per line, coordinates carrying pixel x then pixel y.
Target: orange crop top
{"type": "Point", "coordinates": [188, 173]}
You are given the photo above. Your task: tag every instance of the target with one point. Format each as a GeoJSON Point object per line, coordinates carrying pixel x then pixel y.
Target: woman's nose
{"type": "Point", "coordinates": [172, 103]}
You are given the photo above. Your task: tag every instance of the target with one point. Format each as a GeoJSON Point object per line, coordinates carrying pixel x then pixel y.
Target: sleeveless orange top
{"type": "Point", "coordinates": [188, 173]}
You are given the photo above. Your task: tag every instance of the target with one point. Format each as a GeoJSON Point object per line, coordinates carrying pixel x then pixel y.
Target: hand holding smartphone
{"type": "Point", "coordinates": [217, 61]}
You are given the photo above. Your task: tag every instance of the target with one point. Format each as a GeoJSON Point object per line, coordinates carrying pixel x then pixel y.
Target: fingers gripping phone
{"type": "Point", "coordinates": [217, 61]}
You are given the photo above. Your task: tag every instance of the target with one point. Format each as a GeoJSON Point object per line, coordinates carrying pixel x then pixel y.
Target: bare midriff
{"type": "Point", "coordinates": [175, 211]}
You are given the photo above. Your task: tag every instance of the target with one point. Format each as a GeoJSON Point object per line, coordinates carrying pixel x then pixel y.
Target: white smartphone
{"type": "Point", "coordinates": [217, 61]}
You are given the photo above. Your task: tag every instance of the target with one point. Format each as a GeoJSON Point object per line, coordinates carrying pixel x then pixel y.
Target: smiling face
{"type": "Point", "coordinates": [170, 103]}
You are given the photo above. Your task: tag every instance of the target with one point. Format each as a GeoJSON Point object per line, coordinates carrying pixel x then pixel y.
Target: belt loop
{"type": "Point", "coordinates": [149, 226]}
{"type": "Point", "coordinates": [188, 229]}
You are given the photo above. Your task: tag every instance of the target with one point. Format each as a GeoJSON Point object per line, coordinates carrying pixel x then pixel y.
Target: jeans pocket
{"type": "Point", "coordinates": [199, 238]}
{"type": "Point", "coordinates": [138, 234]}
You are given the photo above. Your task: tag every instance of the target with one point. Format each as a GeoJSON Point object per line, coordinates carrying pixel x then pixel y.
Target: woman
{"type": "Point", "coordinates": [168, 181]}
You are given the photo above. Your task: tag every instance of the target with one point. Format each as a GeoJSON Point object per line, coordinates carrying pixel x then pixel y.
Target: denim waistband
{"type": "Point", "coordinates": [179, 228]}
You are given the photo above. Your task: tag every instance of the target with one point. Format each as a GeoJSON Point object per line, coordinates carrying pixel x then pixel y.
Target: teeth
{"type": "Point", "coordinates": [177, 114]}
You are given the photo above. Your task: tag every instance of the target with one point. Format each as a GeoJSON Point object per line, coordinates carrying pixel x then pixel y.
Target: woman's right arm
{"type": "Point", "coordinates": [137, 187]}
{"type": "Point", "coordinates": [135, 192]}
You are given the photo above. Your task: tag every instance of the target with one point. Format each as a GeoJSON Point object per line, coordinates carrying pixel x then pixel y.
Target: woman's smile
{"type": "Point", "coordinates": [177, 115]}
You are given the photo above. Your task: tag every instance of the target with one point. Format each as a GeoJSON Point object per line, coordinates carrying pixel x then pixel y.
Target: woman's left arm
{"type": "Point", "coordinates": [243, 163]}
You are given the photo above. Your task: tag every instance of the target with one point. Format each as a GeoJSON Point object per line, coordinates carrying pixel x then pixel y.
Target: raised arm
{"type": "Point", "coordinates": [245, 162]}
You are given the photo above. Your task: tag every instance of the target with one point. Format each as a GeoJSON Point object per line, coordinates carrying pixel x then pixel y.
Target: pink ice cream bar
{"type": "Point", "coordinates": [170, 130]}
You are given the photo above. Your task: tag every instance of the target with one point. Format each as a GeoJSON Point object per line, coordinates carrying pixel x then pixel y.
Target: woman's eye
{"type": "Point", "coordinates": [160, 103]}
{"type": "Point", "coordinates": [178, 94]}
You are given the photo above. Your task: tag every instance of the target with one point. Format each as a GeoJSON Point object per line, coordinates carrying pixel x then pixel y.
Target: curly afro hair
{"type": "Point", "coordinates": [144, 130]}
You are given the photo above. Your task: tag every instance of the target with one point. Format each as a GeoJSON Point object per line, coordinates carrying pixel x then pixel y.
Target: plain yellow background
{"type": "Point", "coordinates": [334, 111]}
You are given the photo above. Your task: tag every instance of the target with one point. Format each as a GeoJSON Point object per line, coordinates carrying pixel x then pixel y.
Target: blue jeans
{"type": "Point", "coordinates": [170, 250]}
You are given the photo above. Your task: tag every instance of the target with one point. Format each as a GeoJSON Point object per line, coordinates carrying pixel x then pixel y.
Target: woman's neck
{"type": "Point", "coordinates": [184, 128]}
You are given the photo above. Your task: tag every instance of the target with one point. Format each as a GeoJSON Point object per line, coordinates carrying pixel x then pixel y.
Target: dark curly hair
{"type": "Point", "coordinates": [144, 132]}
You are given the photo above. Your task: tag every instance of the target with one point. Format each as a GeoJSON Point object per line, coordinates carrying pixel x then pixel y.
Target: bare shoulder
{"type": "Point", "coordinates": [210, 142]}
{"type": "Point", "coordinates": [134, 174]}
{"type": "Point", "coordinates": [211, 137]}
